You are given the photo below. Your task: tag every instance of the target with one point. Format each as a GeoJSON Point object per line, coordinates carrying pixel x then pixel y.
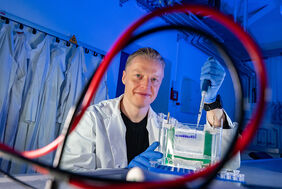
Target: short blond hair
{"type": "Point", "coordinates": [147, 52]}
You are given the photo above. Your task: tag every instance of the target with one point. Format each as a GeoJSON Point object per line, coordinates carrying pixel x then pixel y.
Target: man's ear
{"type": "Point", "coordinates": [123, 77]}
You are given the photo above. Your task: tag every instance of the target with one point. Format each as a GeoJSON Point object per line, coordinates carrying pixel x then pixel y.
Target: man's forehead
{"type": "Point", "coordinates": [142, 69]}
{"type": "Point", "coordinates": [142, 59]}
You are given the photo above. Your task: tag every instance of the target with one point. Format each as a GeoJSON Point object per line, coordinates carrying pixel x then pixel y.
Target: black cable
{"type": "Point", "coordinates": [133, 39]}
{"type": "Point", "coordinates": [16, 179]}
{"type": "Point", "coordinates": [66, 129]}
{"type": "Point", "coordinates": [64, 175]}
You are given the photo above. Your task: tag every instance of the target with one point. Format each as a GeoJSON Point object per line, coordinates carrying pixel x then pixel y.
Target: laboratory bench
{"type": "Point", "coordinates": [263, 173]}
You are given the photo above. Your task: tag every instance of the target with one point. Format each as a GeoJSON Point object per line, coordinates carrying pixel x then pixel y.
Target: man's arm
{"type": "Point", "coordinates": [215, 73]}
{"type": "Point", "coordinates": [215, 114]}
{"type": "Point", "coordinates": [228, 132]}
{"type": "Point", "coordinates": [79, 153]}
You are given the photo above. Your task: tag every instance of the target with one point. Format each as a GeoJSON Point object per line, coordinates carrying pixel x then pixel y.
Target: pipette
{"type": "Point", "coordinates": [205, 86]}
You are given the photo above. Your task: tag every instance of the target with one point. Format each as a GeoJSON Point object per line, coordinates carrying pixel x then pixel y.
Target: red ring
{"type": "Point", "coordinates": [245, 39]}
{"type": "Point", "coordinates": [251, 48]}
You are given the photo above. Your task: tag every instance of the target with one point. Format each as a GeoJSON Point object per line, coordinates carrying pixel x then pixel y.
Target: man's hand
{"type": "Point", "coordinates": [143, 159]}
{"type": "Point", "coordinates": [214, 72]}
{"type": "Point", "coordinates": [214, 117]}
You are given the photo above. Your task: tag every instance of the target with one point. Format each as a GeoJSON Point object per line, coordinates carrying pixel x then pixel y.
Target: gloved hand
{"type": "Point", "coordinates": [143, 159]}
{"type": "Point", "coordinates": [213, 71]}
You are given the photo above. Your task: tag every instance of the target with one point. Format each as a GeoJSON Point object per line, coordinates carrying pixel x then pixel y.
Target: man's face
{"type": "Point", "coordinates": [142, 79]}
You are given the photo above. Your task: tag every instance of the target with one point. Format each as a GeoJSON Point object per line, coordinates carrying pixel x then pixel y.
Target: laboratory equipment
{"type": "Point", "coordinates": [165, 169]}
{"type": "Point", "coordinates": [225, 175]}
{"type": "Point", "coordinates": [231, 175]}
{"type": "Point", "coordinates": [205, 88]}
{"type": "Point", "coordinates": [188, 145]}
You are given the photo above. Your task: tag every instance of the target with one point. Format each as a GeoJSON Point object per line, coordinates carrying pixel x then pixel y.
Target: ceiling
{"type": "Point", "coordinates": [262, 19]}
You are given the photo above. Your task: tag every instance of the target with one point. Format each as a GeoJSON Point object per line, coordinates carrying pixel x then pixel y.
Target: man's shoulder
{"type": "Point", "coordinates": [106, 107]}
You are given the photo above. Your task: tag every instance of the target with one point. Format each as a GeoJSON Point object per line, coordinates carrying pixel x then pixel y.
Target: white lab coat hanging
{"type": "Point", "coordinates": [8, 68]}
{"type": "Point", "coordinates": [46, 126]}
{"type": "Point", "coordinates": [74, 84]}
{"type": "Point", "coordinates": [38, 69]}
{"type": "Point", "coordinates": [92, 63]}
{"type": "Point", "coordinates": [22, 51]}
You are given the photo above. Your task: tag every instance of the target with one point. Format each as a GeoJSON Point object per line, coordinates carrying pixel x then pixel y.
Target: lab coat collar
{"type": "Point", "coordinates": [152, 123]}
{"type": "Point", "coordinates": [116, 132]}
{"type": "Point", "coordinates": [153, 126]}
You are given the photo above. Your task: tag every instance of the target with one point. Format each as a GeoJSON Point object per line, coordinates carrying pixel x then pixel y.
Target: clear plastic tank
{"type": "Point", "coordinates": [183, 145]}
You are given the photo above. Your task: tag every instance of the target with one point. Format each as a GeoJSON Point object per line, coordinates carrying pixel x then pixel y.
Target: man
{"type": "Point", "coordinates": [117, 133]}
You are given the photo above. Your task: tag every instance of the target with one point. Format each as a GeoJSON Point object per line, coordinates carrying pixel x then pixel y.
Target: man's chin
{"type": "Point", "coordinates": [142, 104]}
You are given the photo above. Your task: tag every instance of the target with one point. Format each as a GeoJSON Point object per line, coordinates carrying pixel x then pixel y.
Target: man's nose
{"type": "Point", "coordinates": [146, 82]}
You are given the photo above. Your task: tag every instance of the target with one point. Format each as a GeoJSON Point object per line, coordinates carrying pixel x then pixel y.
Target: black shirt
{"type": "Point", "coordinates": [137, 139]}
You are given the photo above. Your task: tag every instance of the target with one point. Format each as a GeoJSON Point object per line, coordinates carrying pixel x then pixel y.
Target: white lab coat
{"type": "Point", "coordinates": [74, 84]}
{"type": "Point", "coordinates": [31, 107]}
{"type": "Point", "coordinates": [46, 128]}
{"type": "Point", "coordinates": [22, 51]}
{"type": "Point", "coordinates": [99, 139]}
{"type": "Point", "coordinates": [92, 63]}
{"type": "Point", "coordinates": [8, 68]}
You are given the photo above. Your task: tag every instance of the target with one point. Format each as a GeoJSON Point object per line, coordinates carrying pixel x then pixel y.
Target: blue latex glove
{"type": "Point", "coordinates": [212, 70]}
{"type": "Point", "coordinates": [143, 159]}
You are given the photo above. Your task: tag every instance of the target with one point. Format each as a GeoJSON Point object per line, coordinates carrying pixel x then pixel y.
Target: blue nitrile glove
{"type": "Point", "coordinates": [143, 159]}
{"type": "Point", "coordinates": [213, 71]}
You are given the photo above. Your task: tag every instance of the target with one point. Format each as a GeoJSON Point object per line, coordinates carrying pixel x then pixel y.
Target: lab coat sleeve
{"type": "Point", "coordinates": [79, 153]}
{"type": "Point", "coordinates": [227, 136]}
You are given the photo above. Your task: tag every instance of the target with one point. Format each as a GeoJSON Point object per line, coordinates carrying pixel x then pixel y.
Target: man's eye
{"type": "Point", "coordinates": [154, 79]}
{"type": "Point", "coordinates": [138, 75]}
